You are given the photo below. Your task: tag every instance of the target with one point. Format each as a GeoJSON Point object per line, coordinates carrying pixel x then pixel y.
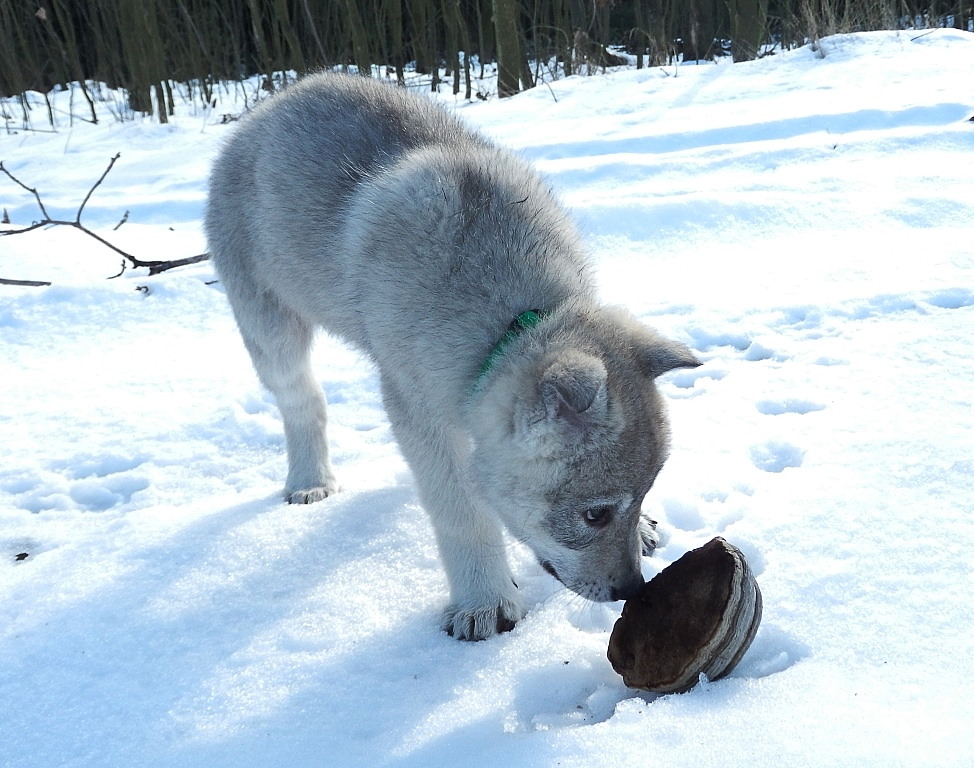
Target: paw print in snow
{"type": "Point", "coordinates": [776, 456]}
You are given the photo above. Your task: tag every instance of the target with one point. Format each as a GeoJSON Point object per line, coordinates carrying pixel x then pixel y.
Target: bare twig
{"type": "Point", "coordinates": [37, 197]}
{"type": "Point", "coordinates": [32, 283]}
{"type": "Point", "coordinates": [158, 267]}
{"type": "Point", "coordinates": [155, 267]}
{"type": "Point", "coordinates": [111, 164]}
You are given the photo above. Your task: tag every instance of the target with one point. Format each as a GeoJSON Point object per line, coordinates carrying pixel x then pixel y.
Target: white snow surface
{"type": "Point", "coordinates": [804, 223]}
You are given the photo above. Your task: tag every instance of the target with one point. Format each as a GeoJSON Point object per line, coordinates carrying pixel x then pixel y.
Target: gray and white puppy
{"type": "Point", "coordinates": [516, 397]}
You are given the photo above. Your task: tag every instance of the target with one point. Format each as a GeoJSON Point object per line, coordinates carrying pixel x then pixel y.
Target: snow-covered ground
{"type": "Point", "coordinates": [806, 224]}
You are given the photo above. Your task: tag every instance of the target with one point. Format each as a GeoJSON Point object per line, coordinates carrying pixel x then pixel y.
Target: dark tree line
{"type": "Point", "coordinates": [147, 46]}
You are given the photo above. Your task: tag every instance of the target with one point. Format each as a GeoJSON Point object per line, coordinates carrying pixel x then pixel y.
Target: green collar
{"type": "Point", "coordinates": [523, 322]}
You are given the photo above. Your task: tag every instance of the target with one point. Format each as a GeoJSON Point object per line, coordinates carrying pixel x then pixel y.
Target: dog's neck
{"type": "Point", "coordinates": [523, 322]}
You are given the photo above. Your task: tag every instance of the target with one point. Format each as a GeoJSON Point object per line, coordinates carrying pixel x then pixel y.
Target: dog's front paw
{"type": "Point", "coordinates": [481, 623]}
{"type": "Point", "coordinates": [648, 535]}
{"type": "Point", "coordinates": [311, 495]}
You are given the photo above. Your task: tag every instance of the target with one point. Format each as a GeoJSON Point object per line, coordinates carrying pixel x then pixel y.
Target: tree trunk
{"type": "Point", "coordinates": [699, 30]}
{"type": "Point", "coordinates": [394, 22]}
{"type": "Point", "coordinates": [508, 48]}
{"type": "Point", "coordinates": [360, 41]}
{"type": "Point", "coordinates": [421, 32]}
{"type": "Point", "coordinates": [748, 21]}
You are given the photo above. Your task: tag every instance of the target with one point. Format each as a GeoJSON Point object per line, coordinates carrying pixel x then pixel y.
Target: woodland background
{"type": "Point", "coordinates": [159, 51]}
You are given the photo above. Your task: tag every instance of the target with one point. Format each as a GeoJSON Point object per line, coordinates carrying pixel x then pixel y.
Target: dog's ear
{"type": "Point", "coordinates": [659, 355]}
{"type": "Point", "coordinates": [574, 392]}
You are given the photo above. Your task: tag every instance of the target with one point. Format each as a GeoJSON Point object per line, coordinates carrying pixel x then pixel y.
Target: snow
{"type": "Point", "coordinates": [804, 223]}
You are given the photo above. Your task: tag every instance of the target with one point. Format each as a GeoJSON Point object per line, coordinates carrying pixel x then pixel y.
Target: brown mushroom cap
{"type": "Point", "coordinates": [697, 616]}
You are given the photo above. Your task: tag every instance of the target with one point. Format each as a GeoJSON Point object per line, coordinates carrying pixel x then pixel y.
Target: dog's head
{"type": "Point", "coordinates": [571, 436]}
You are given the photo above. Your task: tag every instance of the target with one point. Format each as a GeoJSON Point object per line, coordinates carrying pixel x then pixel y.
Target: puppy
{"type": "Point", "coordinates": [517, 398]}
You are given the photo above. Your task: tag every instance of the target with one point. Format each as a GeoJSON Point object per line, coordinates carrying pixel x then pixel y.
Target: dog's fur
{"type": "Point", "coordinates": [351, 205]}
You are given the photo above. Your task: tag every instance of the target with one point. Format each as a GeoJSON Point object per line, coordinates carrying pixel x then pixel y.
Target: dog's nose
{"type": "Point", "coordinates": [628, 590]}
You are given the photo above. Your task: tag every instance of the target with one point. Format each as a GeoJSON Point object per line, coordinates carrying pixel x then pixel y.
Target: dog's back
{"type": "Point", "coordinates": [384, 202]}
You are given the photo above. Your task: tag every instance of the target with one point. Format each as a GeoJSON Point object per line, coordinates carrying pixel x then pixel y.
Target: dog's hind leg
{"type": "Point", "coordinates": [279, 342]}
{"type": "Point", "coordinates": [483, 595]}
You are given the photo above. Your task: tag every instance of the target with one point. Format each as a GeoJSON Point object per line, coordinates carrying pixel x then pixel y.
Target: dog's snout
{"type": "Point", "coordinates": [628, 590]}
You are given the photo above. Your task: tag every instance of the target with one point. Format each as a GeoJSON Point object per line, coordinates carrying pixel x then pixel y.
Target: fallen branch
{"type": "Point", "coordinates": [155, 267]}
{"type": "Point", "coordinates": [31, 283]}
{"type": "Point", "coordinates": [158, 267]}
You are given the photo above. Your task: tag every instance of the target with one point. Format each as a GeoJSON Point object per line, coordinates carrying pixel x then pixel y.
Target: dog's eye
{"type": "Point", "coordinates": [598, 516]}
